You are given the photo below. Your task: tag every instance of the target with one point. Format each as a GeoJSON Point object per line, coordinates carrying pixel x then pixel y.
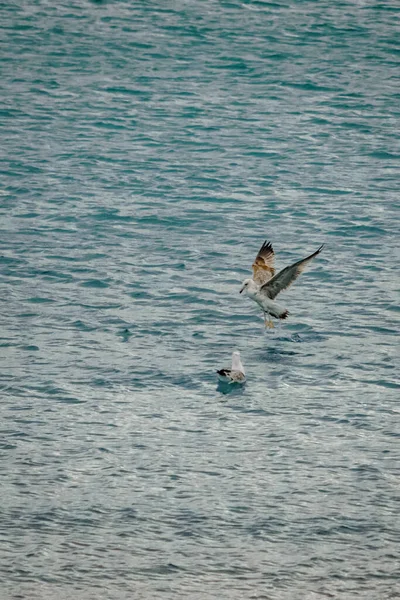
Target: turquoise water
{"type": "Point", "coordinates": [148, 149]}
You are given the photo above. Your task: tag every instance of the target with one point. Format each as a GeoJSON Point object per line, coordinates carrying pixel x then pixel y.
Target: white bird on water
{"type": "Point", "coordinates": [265, 285]}
{"type": "Point", "coordinates": [234, 375]}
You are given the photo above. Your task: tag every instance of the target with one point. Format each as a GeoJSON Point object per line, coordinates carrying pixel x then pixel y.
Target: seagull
{"type": "Point", "coordinates": [265, 285]}
{"type": "Point", "coordinates": [234, 375]}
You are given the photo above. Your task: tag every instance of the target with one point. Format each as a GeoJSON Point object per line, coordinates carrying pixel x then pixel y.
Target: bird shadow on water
{"type": "Point", "coordinates": [276, 354]}
{"type": "Point", "coordinates": [295, 337]}
{"type": "Point", "coordinates": [236, 389]}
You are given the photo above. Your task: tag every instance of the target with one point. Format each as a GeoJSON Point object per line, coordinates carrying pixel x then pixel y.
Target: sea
{"type": "Point", "coordinates": [148, 148]}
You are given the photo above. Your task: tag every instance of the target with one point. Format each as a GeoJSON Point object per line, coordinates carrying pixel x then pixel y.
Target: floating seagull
{"type": "Point", "coordinates": [265, 285]}
{"type": "Point", "coordinates": [234, 375]}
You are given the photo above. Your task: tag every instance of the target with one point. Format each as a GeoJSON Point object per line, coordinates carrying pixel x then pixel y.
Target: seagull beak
{"type": "Point", "coordinates": [241, 290]}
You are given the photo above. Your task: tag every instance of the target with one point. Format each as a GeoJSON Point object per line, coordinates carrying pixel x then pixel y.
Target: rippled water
{"type": "Point", "coordinates": [148, 149]}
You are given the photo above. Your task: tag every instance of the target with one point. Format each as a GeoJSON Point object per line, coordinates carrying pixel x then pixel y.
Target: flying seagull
{"type": "Point", "coordinates": [234, 375]}
{"type": "Point", "coordinates": [265, 285]}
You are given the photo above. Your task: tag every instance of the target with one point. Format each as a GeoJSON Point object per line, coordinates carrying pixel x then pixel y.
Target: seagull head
{"type": "Point", "coordinates": [236, 362]}
{"type": "Point", "coordinates": [249, 287]}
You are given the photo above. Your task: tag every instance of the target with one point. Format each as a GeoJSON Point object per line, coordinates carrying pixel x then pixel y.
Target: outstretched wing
{"type": "Point", "coordinates": [285, 278]}
{"type": "Point", "coordinates": [263, 266]}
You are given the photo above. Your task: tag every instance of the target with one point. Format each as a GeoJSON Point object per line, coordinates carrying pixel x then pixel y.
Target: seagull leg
{"type": "Point", "coordinates": [268, 324]}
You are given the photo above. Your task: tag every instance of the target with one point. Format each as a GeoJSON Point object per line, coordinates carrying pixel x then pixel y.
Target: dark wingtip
{"type": "Point", "coordinates": [320, 248]}
{"type": "Point", "coordinates": [266, 246]}
{"type": "Point", "coordinates": [284, 315]}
